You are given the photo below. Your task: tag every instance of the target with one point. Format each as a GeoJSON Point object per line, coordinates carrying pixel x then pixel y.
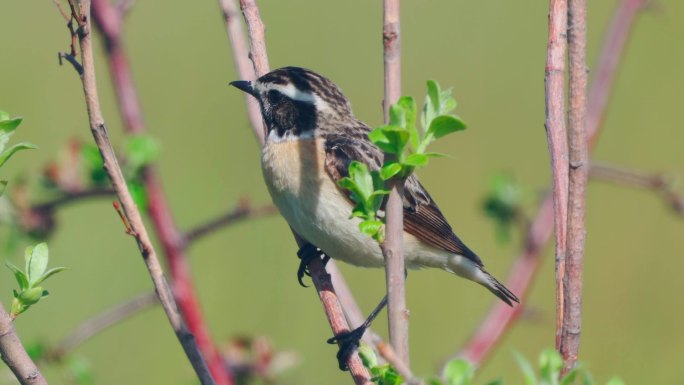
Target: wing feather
{"type": "Point", "coordinates": [422, 217]}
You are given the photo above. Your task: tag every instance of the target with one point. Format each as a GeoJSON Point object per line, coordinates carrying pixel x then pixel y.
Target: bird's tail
{"type": "Point", "coordinates": [497, 288]}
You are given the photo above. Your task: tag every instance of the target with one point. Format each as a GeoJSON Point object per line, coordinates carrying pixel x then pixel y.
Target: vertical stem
{"type": "Point", "coordinates": [557, 140]}
{"type": "Point", "coordinates": [579, 165]}
{"type": "Point", "coordinates": [501, 317]}
{"type": "Point", "coordinates": [393, 247]}
{"type": "Point", "coordinates": [239, 50]}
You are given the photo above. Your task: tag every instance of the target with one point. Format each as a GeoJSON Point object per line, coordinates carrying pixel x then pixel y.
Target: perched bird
{"type": "Point", "coordinates": [312, 138]}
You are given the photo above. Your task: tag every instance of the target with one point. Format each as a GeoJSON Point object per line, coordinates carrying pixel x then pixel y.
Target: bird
{"type": "Point", "coordinates": [312, 138]}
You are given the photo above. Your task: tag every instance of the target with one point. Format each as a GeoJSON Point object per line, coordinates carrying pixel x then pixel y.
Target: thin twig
{"type": "Point", "coordinates": [577, 187]}
{"type": "Point", "coordinates": [111, 166]}
{"type": "Point", "coordinates": [90, 327]}
{"type": "Point", "coordinates": [393, 246]}
{"type": "Point", "coordinates": [71, 197]}
{"type": "Point", "coordinates": [245, 70]}
{"type": "Point", "coordinates": [557, 140]}
{"type": "Point", "coordinates": [109, 20]}
{"type": "Point", "coordinates": [501, 317]}
{"type": "Point", "coordinates": [14, 355]}
{"type": "Point", "coordinates": [655, 182]}
{"type": "Point", "coordinates": [241, 212]}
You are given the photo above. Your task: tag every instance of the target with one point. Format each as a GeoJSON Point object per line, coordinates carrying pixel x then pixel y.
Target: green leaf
{"type": "Point", "coordinates": [431, 107]}
{"type": "Point", "coordinates": [3, 115]}
{"type": "Point", "coordinates": [397, 116]}
{"type": "Point", "coordinates": [528, 373]}
{"type": "Point", "coordinates": [49, 273]}
{"type": "Point", "coordinates": [445, 124]}
{"type": "Point", "coordinates": [458, 372]}
{"type": "Point", "coordinates": [389, 170]}
{"type": "Point", "coordinates": [5, 155]}
{"type": "Point", "coordinates": [416, 160]}
{"type": "Point", "coordinates": [31, 296]}
{"type": "Point", "coordinates": [7, 127]}
{"type": "Point", "coordinates": [3, 186]}
{"type": "Point", "coordinates": [615, 381]}
{"type": "Point", "coordinates": [570, 377]}
{"type": "Point", "coordinates": [588, 379]}
{"type": "Point", "coordinates": [498, 381]}
{"type": "Point", "coordinates": [368, 356]}
{"type": "Point", "coordinates": [37, 263]}
{"type": "Point", "coordinates": [141, 150]}
{"type": "Point", "coordinates": [391, 139]}
{"type": "Point", "coordinates": [139, 193]}
{"type": "Point", "coordinates": [21, 278]}
{"type": "Point", "coordinates": [370, 227]}
{"type": "Point", "coordinates": [550, 363]}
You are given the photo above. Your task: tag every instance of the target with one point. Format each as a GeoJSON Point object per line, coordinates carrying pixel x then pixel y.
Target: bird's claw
{"type": "Point", "coordinates": [348, 342]}
{"type": "Point", "coordinates": [308, 253]}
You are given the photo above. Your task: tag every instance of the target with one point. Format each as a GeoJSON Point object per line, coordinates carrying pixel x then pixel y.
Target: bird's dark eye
{"type": "Point", "coordinates": [274, 97]}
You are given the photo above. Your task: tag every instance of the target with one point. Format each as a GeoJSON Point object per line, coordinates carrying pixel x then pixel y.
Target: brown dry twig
{"type": "Point", "coordinates": [111, 166]}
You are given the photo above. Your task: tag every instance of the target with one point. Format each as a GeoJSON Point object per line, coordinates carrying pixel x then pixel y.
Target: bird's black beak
{"type": "Point", "coordinates": [245, 86]}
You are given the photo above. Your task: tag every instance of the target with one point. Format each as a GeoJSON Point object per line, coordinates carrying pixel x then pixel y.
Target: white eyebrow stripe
{"type": "Point", "coordinates": [295, 93]}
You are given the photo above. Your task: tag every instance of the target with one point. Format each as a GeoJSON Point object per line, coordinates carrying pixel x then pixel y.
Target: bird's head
{"type": "Point", "coordinates": [297, 102]}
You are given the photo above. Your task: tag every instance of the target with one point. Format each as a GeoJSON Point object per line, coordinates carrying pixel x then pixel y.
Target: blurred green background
{"type": "Point", "coordinates": [492, 52]}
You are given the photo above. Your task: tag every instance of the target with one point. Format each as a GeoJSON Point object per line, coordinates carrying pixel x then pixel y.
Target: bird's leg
{"type": "Point", "coordinates": [349, 341]}
{"type": "Point", "coordinates": [308, 253]}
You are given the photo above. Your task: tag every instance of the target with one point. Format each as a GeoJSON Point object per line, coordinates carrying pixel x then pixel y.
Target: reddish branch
{"type": "Point", "coordinates": [393, 246]}
{"type": "Point", "coordinates": [14, 355]}
{"type": "Point", "coordinates": [501, 317]}
{"type": "Point", "coordinates": [109, 20]}
{"type": "Point", "coordinates": [111, 166]}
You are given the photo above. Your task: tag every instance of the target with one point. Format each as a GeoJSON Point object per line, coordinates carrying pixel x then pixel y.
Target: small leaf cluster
{"type": "Point", "coordinates": [402, 139]}
{"type": "Point", "coordinates": [367, 190]}
{"type": "Point", "coordinates": [7, 127]}
{"type": "Point", "coordinates": [503, 204]}
{"type": "Point", "coordinates": [382, 374]}
{"type": "Point", "coordinates": [550, 366]}
{"type": "Point", "coordinates": [29, 280]}
{"type": "Point", "coordinates": [407, 149]}
{"type": "Point", "coordinates": [462, 372]}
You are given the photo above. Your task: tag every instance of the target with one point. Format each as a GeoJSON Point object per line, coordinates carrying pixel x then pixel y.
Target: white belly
{"type": "Point", "coordinates": [312, 204]}
{"type": "Point", "coordinates": [316, 209]}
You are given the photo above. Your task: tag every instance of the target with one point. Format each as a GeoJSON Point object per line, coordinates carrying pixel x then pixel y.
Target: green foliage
{"type": "Point", "coordinates": [462, 372]}
{"type": "Point", "coordinates": [382, 374]}
{"type": "Point", "coordinates": [407, 149]}
{"type": "Point", "coordinates": [401, 138]}
{"type": "Point", "coordinates": [367, 191]}
{"type": "Point", "coordinates": [29, 280]}
{"type": "Point", "coordinates": [7, 127]}
{"type": "Point", "coordinates": [503, 204]}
